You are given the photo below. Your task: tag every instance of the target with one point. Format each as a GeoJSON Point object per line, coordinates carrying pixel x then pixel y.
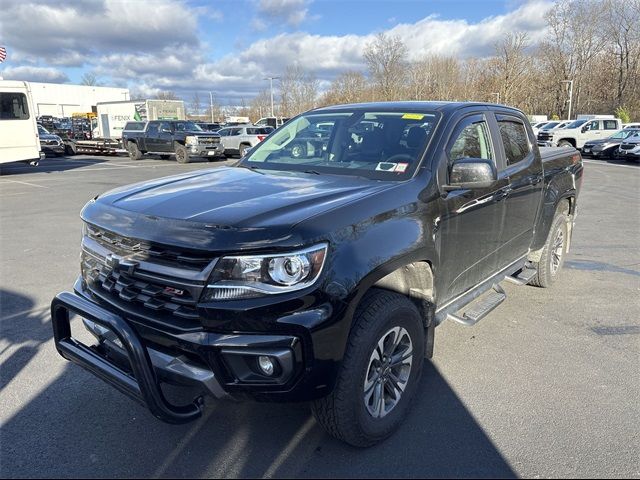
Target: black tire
{"type": "Point", "coordinates": [298, 150]}
{"type": "Point", "coordinates": [70, 149]}
{"type": "Point", "coordinates": [182, 156]}
{"type": "Point", "coordinates": [243, 148]}
{"type": "Point", "coordinates": [565, 143]}
{"type": "Point", "coordinates": [343, 413]}
{"type": "Point", "coordinates": [134, 153]}
{"type": "Point", "coordinates": [549, 266]}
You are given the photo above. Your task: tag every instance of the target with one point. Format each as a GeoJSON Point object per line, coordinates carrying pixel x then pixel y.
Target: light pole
{"type": "Point", "coordinates": [211, 105]}
{"type": "Point", "coordinates": [271, 79]}
{"type": "Point", "coordinates": [570, 82]}
{"type": "Point", "coordinates": [497, 94]}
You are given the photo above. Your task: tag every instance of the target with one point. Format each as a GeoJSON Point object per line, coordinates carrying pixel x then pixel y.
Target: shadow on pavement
{"type": "Point", "coordinates": [76, 426]}
{"type": "Point", "coordinates": [593, 266]}
{"type": "Point", "coordinates": [50, 165]}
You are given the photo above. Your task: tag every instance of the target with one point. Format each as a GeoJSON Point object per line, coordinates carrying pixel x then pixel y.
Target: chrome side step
{"type": "Point", "coordinates": [524, 277]}
{"type": "Point", "coordinates": [481, 307]}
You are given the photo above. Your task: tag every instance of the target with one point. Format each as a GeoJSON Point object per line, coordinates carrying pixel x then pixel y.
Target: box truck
{"type": "Point", "coordinates": [112, 116]}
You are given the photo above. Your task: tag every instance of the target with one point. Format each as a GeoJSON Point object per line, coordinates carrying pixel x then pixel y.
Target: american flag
{"type": "Point", "coordinates": [3, 54]}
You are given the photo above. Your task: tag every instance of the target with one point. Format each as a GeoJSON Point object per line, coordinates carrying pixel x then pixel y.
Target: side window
{"type": "Point", "coordinates": [593, 125]}
{"type": "Point", "coordinates": [472, 140]}
{"type": "Point", "coordinates": [13, 106]}
{"type": "Point", "coordinates": [611, 125]}
{"type": "Point", "coordinates": [164, 125]}
{"type": "Point", "coordinates": [223, 132]}
{"type": "Point", "coordinates": [515, 141]}
{"type": "Point", "coordinates": [152, 129]}
{"type": "Point", "coordinates": [234, 132]}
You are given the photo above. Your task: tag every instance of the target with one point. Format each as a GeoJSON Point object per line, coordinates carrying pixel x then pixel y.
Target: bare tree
{"type": "Point", "coordinates": [348, 87]}
{"type": "Point", "coordinates": [196, 104]}
{"type": "Point", "coordinates": [166, 95]}
{"type": "Point", "coordinates": [386, 59]}
{"type": "Point", "coordinates": [89, 79]}
{"type": "Point", "coordinates": [511, 65]}
{"type": "Point", "coordinates": [299, 91]}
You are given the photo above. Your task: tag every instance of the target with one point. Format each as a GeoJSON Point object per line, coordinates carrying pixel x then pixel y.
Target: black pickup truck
{"type": "Point", "coordinates": [319, 277]}
{"type": "Point", "coordinates": [183, 138]}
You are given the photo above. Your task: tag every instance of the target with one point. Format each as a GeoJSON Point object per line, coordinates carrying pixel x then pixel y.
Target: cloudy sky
{"type": "Point", "coordinates": [229, 46]}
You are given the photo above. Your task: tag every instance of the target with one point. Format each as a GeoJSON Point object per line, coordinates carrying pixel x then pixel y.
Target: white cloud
{"type": "Point", "coordinates": [292, 12]}
{"type": "Point", "coordinates": [34, 74]}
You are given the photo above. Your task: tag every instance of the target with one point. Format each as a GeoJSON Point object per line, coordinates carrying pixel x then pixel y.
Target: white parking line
{"type": "Point", "coordinates": [23, 183]}
{"type": "Point", "coordinates": [609, 164]}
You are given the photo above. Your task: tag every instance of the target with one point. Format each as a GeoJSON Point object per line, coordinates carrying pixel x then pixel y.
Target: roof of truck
{"type": "Point", "coordinates": [444, 107]}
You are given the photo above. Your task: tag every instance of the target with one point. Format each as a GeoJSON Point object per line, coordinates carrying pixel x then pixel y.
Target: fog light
{"type": "Point", "coordinates": [266, 365]}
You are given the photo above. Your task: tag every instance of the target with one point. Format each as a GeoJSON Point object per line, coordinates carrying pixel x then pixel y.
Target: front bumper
{"type": "Point", "coordinates": [136, 358]}
{"type": "Point", "coordinates": [56, 149]}
{"type": "Point", "coordinates": [628, 154]}
{"type": "Point", "coordinates": [210, 150]}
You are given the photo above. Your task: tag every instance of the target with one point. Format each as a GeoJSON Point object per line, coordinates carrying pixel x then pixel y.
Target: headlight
{"type": "Point", "coordinates": [252, 276]}
{"type": "Point", "coordinates": [191, 140]}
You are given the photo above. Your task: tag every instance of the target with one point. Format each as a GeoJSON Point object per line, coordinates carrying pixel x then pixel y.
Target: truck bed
{"type": "Point", "coordinates": [554, 153]}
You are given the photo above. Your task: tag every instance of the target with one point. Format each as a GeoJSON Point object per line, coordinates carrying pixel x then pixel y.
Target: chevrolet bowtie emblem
{"type": "Point", "coordinates": [119, 264]}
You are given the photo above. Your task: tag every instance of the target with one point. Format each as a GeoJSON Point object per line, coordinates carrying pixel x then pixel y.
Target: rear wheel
{"type": "Point", "coordinates": [182, 156]}
{"type": "Point", "coordinates": [379, 374]}
{"type": "Point", "coordinates": [134, 153]}
{"type": "Point", "coordinates": [553, 253]}
{"type": "Point", "coordinates": [243, 149]}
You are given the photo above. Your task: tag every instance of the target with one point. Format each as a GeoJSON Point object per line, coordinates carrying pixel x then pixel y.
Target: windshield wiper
{"type": "Point", "coordinates": [250, 167]}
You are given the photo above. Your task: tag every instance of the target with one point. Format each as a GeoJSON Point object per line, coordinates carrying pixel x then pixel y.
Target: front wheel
{"type": "Point", "coordinates": [553, 253]}
{"type": "Point", "coordinates": [380, 371]}
{"type": "Point", "coordinates": [182, 156]}
{"type": "Point", "coordinates": [565, 143]}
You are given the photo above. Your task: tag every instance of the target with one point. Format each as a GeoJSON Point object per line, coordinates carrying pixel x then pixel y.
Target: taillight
{"type": "Point", "coordinates": [261, 137]}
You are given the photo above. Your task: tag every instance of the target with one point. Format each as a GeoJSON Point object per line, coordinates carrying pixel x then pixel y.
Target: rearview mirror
{"type": "Point", "coordinates": [469, 173]}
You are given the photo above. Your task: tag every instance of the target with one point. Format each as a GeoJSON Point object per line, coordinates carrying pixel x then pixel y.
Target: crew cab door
{"type": "Point", "coordinates": [523, 168]}
{"type": "Point", "coordinates": [164, 142]}
{"type": "Point", "coordinates": [150, 137]}
{"type": "Point", "coordinates": [469, 231]}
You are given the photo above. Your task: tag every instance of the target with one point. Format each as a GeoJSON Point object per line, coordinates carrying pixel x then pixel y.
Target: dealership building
{"type": "Point", "coordinates": [63, 100]}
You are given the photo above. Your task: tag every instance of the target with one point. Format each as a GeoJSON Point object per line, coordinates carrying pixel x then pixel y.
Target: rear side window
{"type": "Point", "coordinates": [13, 106]}
{"type": "Point", "coordinates": [515, 141]}
{"type": "Point", "coordinates": [472, 139]}
{"type": "Point", "coordinates": [610, 125]}
{"type": "Point", "coordinates": [258, 131]}
{"type": "Point", "coordinates": [134, 126]}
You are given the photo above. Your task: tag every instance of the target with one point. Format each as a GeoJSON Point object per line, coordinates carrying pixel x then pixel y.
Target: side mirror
{"type": "Point", "coordinates": [470, 173]}
{"type": "Point", "coordinates": [584, 129]}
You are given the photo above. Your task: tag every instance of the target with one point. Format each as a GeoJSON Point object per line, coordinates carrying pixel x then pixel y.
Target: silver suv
{"type": "Point", "coordinates": [238, 139]}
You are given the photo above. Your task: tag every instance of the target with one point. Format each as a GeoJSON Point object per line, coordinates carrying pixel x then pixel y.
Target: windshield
{"type": "Point", "coordinates": [576, 124]}
{"type": "Point", "coordinates": [622, 134]}
{"type": "Point", "coordinates": [187, 127]}
{"type": "Point", "coordinates": [550, 125]}
{"type": "Point", "coordinates": [42, 130]}
{"type": "Point", "coordinates": [385, 145]}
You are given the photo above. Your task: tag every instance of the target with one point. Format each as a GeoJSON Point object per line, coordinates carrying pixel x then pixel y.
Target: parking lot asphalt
{"type": "Point", "coordinates": [548, 385]}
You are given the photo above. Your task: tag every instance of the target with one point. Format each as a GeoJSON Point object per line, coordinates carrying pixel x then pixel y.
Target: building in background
{"type": "Point", "coordinates": [63, 100]}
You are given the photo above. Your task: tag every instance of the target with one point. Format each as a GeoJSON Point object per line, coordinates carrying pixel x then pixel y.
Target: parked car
{"type": "Point", "coordinates": [322, 277]}
{"type": "Point", "coordinates": [209, 127]}
{"type": "Point", "coordinates": [274, 122]}
{"type": "Point", "coordinates": [630, 149]}
{"type": "Point", "coordinates": [608, 147]}
{"type": "Point", "coordinates": [49, 143]}
{"type": "Point", "coordinates": [237, 140]}
{"type": "Point", "coordinates": [537, 126]}
{"type": "Point", "coordinates": [182, 138]}
{"type": "Point", "coordinates": [630, 125]}
{"type": "Point", "coordinates": [581, 131]}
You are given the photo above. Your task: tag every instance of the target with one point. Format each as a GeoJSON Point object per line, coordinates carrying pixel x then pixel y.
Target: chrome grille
{"type": "Point", "coordinates": [628, 146]}
{"type": "Point", "coordinates": [208, 140]}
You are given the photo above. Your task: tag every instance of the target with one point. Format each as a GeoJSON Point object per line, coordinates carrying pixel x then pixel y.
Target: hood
{"type": "Point", "coordinates": [225, 208]}
{"type": "Point", "coordinates": [49, 136]}
{"type": "Point", "coordinates": [598, 142]}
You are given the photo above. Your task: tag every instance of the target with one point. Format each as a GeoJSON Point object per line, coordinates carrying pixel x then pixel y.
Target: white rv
{"type": "Point", "coordinates": [19, 140]}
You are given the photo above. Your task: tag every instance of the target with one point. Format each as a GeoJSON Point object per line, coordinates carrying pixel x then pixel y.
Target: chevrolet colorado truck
{"type": "Point", "coordinates": [183, 138]}
{"type": "Point", "coordinates": [319, 277]}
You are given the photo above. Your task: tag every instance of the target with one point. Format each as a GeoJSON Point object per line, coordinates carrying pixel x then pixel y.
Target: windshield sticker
{"type": "Point", "coordinates": [386, 167]}
{"type": "Point", "coordinates": [413, 116]}
{"type": "Point", "coordinates": [401, 167]}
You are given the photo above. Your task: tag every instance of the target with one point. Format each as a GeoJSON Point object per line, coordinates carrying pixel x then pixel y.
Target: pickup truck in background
{"type": "Point", "coordinates": [319, 277]}
{"type": "Point", "coordinates": [579, 132]}
{"type": "Point", "coordinates": [182, 138]}
{"type": "Point", "coordinates": [239, 139]}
